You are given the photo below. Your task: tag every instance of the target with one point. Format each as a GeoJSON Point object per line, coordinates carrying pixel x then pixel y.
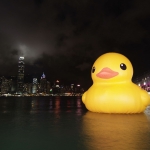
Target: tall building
{"type": "Point", "coordinates": [34, 85]}
{"type": "Point", "coordinates": [43, 84]}
{"type": "Point", "coordinates": [20, 78]}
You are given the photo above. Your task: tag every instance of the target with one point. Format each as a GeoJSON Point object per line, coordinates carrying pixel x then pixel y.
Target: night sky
{"type": "Point", "coordinates": [63, 38]}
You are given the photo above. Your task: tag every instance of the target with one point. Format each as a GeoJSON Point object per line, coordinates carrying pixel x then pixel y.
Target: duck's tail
{"type": "Point", "coordinates": [145, 98]}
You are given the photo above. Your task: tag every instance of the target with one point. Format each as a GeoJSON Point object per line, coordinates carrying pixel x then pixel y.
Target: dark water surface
{"type": "Point", "coordinates": [63, 123]}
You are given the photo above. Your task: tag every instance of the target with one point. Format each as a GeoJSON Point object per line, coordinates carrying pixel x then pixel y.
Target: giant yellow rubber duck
{"type": "Point", "coordinates": [112, 90]}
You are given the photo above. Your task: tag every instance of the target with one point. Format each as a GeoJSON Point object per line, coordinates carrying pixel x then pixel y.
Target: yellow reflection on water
{"type": "Point", "coordinates": [116, 131]}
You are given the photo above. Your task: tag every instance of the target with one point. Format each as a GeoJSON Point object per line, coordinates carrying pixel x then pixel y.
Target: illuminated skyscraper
{"type": "Point", "coordinates": [43, 84]}
{"type": "Point", "coordinates": [20, 78]}
{"type": "Point", "coordinates": [34, 85]}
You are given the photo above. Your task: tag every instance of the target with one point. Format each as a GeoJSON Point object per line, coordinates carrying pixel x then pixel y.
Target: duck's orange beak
{"type": "Point", "coordinates": [107, 73]}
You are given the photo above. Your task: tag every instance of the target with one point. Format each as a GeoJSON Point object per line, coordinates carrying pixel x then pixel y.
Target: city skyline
{"type": "Point", "coordinates": [26, 85]}
{"type": "Point", "coordinates": [17, 86]}
{"type": "Point", "coordinates": [28, 75]}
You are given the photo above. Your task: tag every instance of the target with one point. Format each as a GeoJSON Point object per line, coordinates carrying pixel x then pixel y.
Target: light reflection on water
{"type": "Point", "coordinates": [63, 123]}
{"type": "Point", "coordinates": [116, 131]}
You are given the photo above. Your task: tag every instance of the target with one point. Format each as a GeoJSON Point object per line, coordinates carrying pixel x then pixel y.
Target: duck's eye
{"type": "Point", "coordinates": [123, 66]}
{"type": "Point", "coordinates": [93, 69]}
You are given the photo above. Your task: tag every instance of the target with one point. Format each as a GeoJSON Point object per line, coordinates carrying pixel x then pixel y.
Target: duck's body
{"type": "Point", "coordinates": [123, 98]}
{"type": "Point", "coordinates": [113, 95]}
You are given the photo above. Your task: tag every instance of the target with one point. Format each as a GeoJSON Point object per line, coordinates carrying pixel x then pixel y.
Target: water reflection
{"type": "Point", "coordinates": [40, 104]}
{"type": "Point", "coordinates": [115, 132]}
{"type": "Point", "coordinates": [41, 123]}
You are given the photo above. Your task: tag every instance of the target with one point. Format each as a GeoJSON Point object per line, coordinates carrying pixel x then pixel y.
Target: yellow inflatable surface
{"type": "Point", "coordinates": [112, 90]}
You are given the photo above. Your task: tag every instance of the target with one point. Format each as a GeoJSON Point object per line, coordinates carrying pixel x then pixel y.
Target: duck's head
{"type": "Point", "coordinates": [112, 68]}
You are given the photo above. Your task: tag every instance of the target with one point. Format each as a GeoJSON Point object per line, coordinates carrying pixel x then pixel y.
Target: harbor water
{"type": "Point", "coordinates": [63, 123]}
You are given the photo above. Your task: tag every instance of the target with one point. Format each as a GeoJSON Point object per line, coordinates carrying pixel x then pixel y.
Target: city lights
{"type": "Point", "coordinates": [16, 86]}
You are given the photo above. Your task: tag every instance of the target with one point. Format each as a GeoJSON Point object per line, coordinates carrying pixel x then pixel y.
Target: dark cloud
{"type": "Point", "coordinates": [38, 2]}
{"type": "Point", "coordinates": [63, 38]}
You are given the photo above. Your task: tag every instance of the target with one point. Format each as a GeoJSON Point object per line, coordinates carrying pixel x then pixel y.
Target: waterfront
{"type": "Point", "coordinates": [63, 123]}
